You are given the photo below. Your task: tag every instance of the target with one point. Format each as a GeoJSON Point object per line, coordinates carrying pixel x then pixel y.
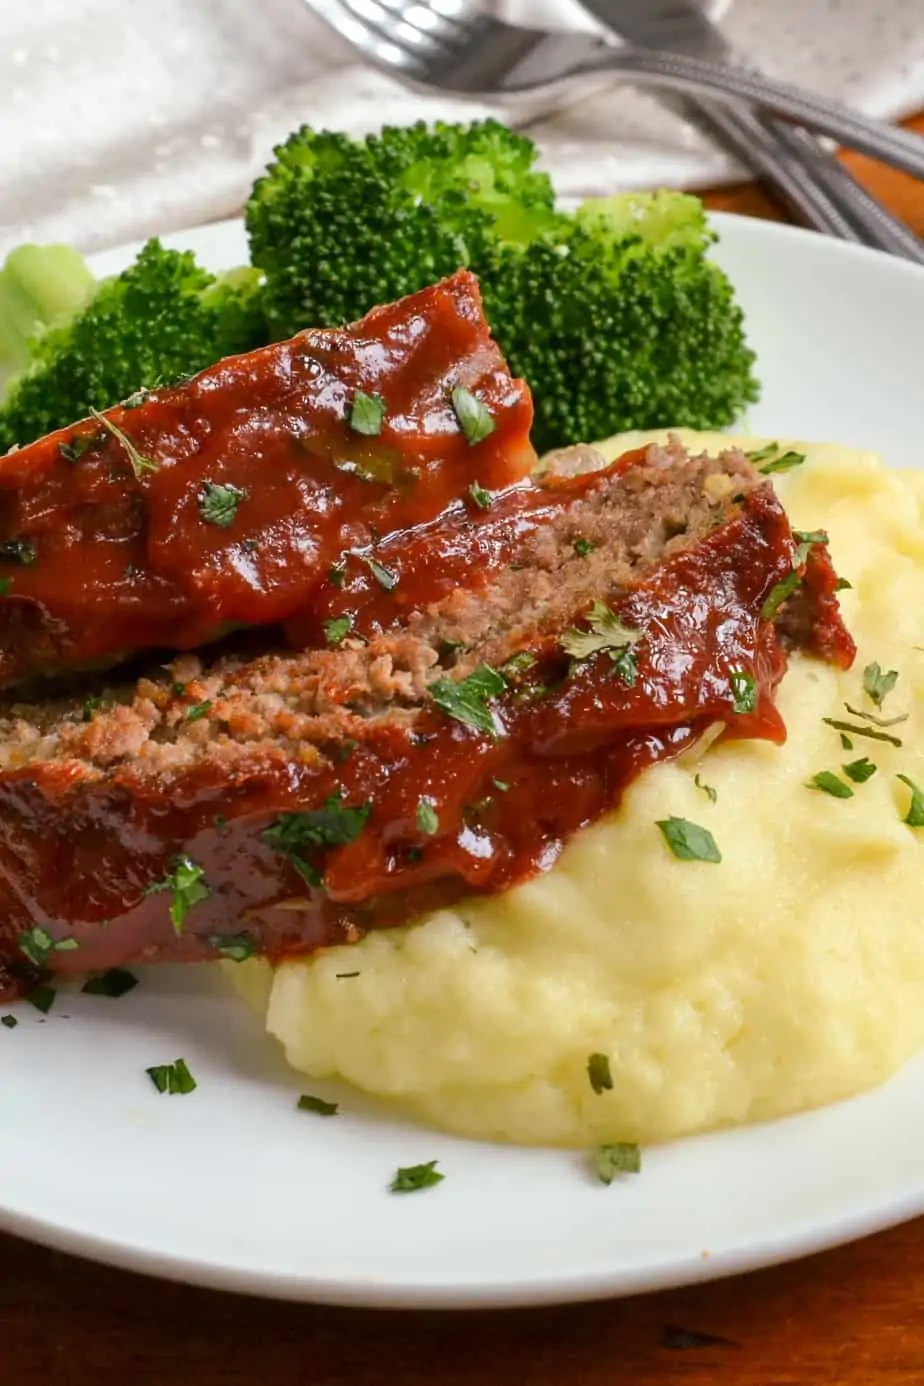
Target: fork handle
{"type": "Point", "coordinates": [694, 76]}
{"type": "Point", "coordinates": [814, 186]}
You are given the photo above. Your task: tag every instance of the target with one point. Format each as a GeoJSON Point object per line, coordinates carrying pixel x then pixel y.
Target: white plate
{"type": "Point", "coordinates": [232, 1187]}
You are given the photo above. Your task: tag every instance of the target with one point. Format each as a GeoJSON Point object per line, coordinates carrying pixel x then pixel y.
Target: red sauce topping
{"type": "Point", "coordinates": [562, 742]}
{"type": "Point", "coordinates": [103, 554]}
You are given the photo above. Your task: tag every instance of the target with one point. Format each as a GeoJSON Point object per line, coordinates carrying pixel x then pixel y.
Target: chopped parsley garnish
{"type": "Point", "coordinates": [744, 691]}
{"type": "Point", "coordinates": [707, 789]}
{"type": "Point", "coordinates": [188, 886]}
{"type": "Point", "coordinates": [846, 742]}
{"type": "Point", "coordinates": [624, 664]}
{"type": "Point", "coordinates": [92, 705]}
{"type": "Point", "coordinates": [842, 585]}
{"type": "Point", "coordinates": [610, 1160]}
{"type": "Point", "coordinates": [42, 998]}
{"type": "Point", "coordinates": [501, 785]}
{"type": "Point", "coordinates": [517, 665]}
{"type": "Point", "coordinates": [859, 770]}
{"type": "Point", "coordinates": [385, 577]}
{"type": "Point", "coordinates": [307, 1103]}
{"type": "Point", "coordinates": [474, 417]}
{"type": "Point", "coordinates": [198, 710]}
{"type": "Point", "coordinates": [336, 574]}
{"type": "Point", "coordinates": [367, 413]}
{"type": "Point", "coordinates": [688, 841]}
{"type": "Point", "coordinates": [761, 454]}
{"type": "Point", "coordinates": [778, 594]}
{"type": "Point", "coordinates": [876, 685]}
{"type": "Point", "coordinates": [235, 947]}
{"type": "Point", "coordinates": [334, 825]}
{"type": "Point", "coordinates": [598, 1071]}
{"type": "Point", "coordinates": [829, 783]}
{"type": "Point", "coordinates": [78, 445]}
{"type": "Point", "coordinates": [784, 463]}
{"type": "Point", "coordinates": [467, 701]}
{"type": "Point", "coordinates": [115, 983]}
{"type": "Point", "coordinates": [5, 585]}
{"type": "Point", "coordinates": [427, 819]}
{"type": "Point", "coordinates": [336, 628]}
{"type": "Point", "coordinates": [218, 504]}
{"type": "Point", "coordinates": [139, 463]}
{"type": "Point", "coordinates": [606, 633]}
{"type": "Point", "coordinates": [9, 1021]}
{"type": "Point", "coordinates": [582, 547]}
{"type": "Point", "coordinates": [413, 1177]}
{"type": "Point", "coordinates": [20, 551]}
{"type": "Point", "coordinates": [855, 730]}
{"type": "Point", "coordinates": [806, 541]}
{"type": "Point", "coordinates": [172, 1078]}
{"type": "Point", "coordinates": [915, 815]}
{"type": "Point", "coordinates": [482, 498]}
{"type": "Point", "coordinates": [38, 945]}
{"type": "Point", "coordinates": [135, 400]}
{"type": "Point", "coordinates": [877, 721]}
{"type": "Point", "coordinates": [342, 976]}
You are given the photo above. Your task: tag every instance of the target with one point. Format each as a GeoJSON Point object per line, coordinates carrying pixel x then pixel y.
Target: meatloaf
{"type": "Point", "coordinates": [223, 502]}
{"type": "Point", "coordinates": [482, 688]}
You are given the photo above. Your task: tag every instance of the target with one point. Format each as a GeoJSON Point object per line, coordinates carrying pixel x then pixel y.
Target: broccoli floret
{"type": "Point", "coordinates": [340, 225]}
{"type": "Point", "coordinates": [614, 314]}
{"type": "Point", "coordinates": [38, 285]}
{"type": "Point", "coordinates": [161, 319]}
{"type": "Point", "coordinates": [618, 328]}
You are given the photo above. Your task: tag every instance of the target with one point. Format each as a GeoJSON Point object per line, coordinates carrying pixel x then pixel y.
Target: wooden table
{"type": "Point", "coordinates": [852, 1317]}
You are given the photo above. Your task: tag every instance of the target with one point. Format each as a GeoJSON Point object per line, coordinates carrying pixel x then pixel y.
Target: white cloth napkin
{"type": "Point", "coordinates": [123, 118]}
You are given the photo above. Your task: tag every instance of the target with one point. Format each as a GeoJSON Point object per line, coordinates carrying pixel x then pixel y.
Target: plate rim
{"type": "Point", "coordinates": [547, 1287]}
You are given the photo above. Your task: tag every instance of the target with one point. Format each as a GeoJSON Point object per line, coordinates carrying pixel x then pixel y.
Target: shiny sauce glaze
{"type": "Point", "coordinates": [224, 502]}
{"type": "Point", "coordinates": [83, 860]}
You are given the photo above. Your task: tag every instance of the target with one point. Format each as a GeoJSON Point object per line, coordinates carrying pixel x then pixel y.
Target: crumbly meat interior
{"type": "Point", "coordinates": [224, 707]}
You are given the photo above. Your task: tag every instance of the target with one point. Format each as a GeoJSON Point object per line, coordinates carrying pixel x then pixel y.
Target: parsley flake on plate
{"type": "Point", "coordinates": [609, 1160]}
{"type": "Point", "coordinates": [385, 577]}
{"type": "Point", "coordinates": [475, 419]}
{"type": "Point", "coordinates": [688, 841]}
{"type": "Point", "coordinates": [42, 998]}
{"type": "Point", "coordinates": [412, 1177]}
{"type": "Point", "coordinates": [115, 982]}
{"type": "Point", "coordinates": [21, 551]}
{"type": "Point", "coordinates": [198, 710]}
{"type": "Point", "coordinates": [218, 504]}
{"type": "Point", "coordinates": [9, 1022]}
{"type": "Point", "coordinates": [784, 463]}
{"type": "Point", "coordinates": [172, 1078]}
{"type": "Point", "coordinates": [778, 594]}
{"type": "Point", "coordinates": [308, 1103]}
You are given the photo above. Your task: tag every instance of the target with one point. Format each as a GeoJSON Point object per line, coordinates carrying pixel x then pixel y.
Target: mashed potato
{"type": "Point", "coordinates": [790, 975]}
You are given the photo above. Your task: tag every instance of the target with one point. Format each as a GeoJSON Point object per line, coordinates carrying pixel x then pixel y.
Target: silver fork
{"type": "Point", "coordinates": [452, 46]}
{"type": "Point", "coordinates": [817, 187]}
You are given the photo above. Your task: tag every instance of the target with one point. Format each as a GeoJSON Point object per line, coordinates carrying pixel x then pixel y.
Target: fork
{"type": "Point", "coordinates": [817, 187]}
{"type": "Point", "coordinates": [453, 46]}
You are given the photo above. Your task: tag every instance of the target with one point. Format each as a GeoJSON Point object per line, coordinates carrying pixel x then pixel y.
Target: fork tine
{"type": "Point", "coordinates": [372, 32]}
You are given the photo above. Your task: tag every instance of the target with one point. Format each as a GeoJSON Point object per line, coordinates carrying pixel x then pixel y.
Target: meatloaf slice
{"type": "Point", "coordinates": [223, 502]}
{"type": "Point", "coordinates": [526, 657]}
